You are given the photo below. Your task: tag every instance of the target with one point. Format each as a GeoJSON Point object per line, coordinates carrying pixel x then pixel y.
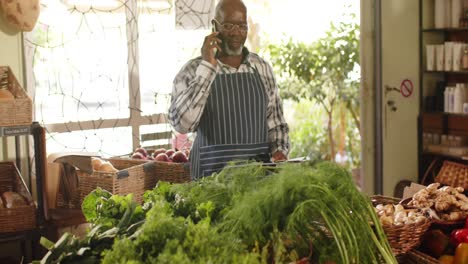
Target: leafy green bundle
{"type": "Point", "coordinates": [281, 213]}
{"type": "Point", "coordinates": [111, 216]}
{"type": "Point", "coordinates": [247, 213]}
{"type": "Point", "coordinates": [317, 205]}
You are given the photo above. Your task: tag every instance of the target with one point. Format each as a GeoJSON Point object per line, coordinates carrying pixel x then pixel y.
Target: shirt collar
{"type": "Point", "coordinates": [246, 54]}
{"type": "Point", "coordinates": [246, 59]}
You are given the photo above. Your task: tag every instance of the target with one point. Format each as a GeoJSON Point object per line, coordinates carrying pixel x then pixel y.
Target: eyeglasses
{"type": "Point", "coordinates": [243, 28]}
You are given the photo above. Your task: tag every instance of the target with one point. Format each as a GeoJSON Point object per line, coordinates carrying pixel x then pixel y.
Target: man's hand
{"type": "Point", "coordinates": [209, 45]}
{"type": "Point", "coordinates": [278, 156]}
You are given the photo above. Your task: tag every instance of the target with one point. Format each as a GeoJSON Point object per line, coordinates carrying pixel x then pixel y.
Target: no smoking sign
{"type": "Point", "coordinates": [406, 88]}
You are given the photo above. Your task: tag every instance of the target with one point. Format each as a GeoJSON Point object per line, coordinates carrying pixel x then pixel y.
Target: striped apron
{"type": "Point", "coordinates": [233, 125]}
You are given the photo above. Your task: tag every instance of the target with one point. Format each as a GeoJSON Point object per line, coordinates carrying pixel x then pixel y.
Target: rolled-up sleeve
{"type": "Point", "coordinates": [190, 91]}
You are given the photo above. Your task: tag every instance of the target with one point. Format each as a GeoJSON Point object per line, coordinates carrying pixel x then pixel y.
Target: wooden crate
{"type": "Point", "coordinates": [19, 218]}
{"type": "Point", "coordinates": [18, 111]}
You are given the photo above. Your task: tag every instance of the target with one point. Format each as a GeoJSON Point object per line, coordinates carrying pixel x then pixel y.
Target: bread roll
{"type": "Point", "coordinates": [5, 94]}
{"type": "Point", "coordinates": [96, 163]}
{"type": "Point", "coordinates": [13, 200]}
{"type": "Point", "coordinates": [21, 15]}
{"type": "Point", "coordinates": [107, 167]}
{"type": "Point", "coordinates": [1, 203]}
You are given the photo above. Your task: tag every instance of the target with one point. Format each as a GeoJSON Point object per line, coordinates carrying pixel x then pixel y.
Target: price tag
{"type": "Point", "coordinates": [15, 131]}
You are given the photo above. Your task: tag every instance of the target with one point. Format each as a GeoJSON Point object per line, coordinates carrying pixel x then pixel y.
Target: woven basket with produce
{"type": "Point", "coordinates": [404, 227]}
{"type": "Point", "coordinates": [133, 175]}
{"type": "Point", "coordinates": [15, 104]}
{"type": "Point", "coordinates": [446, 205]}
{"type": "Point", "coordinates": [17, 209]}
{"type": "Point", "coordinates": [446, 240]}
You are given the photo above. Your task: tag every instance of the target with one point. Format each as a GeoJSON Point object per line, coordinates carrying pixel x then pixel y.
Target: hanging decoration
{"type": "Point", "coordinates": [191, 14]}
{"type": "Point", "coordinates": [20, 14]}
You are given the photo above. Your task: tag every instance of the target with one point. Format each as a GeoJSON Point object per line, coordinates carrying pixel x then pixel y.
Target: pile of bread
{"type": "Point", "coordinates": [102, 165]}
{"type": "Point", "coordinates": [12, 200]}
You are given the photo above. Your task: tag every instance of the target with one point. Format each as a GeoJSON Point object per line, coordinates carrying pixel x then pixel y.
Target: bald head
{"type": "Point", "coordinates": [228, 6]}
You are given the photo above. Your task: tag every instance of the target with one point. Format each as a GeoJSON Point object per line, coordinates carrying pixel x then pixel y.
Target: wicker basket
{"type": "Point", "coordinates": [381, 199]}
{"type": "Point", "coordinates": [19, 218]}
{"type": "Point", "coordinates": [129, 179]}
{"type": "Point", "coordinates": [126, 162]}
{"type": "Point", "coordinates": [418, 257]}
{"type": "Point", "coordinates": [133, 179]}
{"type": "Point", "coordinates": [404, 237]}
{"type": "Point", "coordinates": [171, 172]}
{"type": "Point", "coordinates": [18, 111]}
{"type": "Point", "coordinates": [453, 174]}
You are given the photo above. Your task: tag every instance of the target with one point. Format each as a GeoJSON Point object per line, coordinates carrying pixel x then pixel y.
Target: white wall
{"type": "Point", "coordinates": [11, 49]}
{"type": "Point", "coordinates": [400, 61]}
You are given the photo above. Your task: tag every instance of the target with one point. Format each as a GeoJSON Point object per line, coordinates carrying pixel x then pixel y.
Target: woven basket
{"type": "Point", "coordinates": [133, 179]}
{"type": "Point", "coordinates": [453, 174]}
{"type": "Point", "coordinates": [129, 179]}
{"type": "Point", "coordinates": [171, 172]}
{"type": "Point", "coordinates": [123, 163]}
{"type": "Point", "coordinates": [18, 111]}
{"type": "Point", "coordinates": [381, 199]}
{"type": "Point", "coordinates": [404, 237]}
{"type": "Point", "coordinates": [19, 218]}
{"type": "Point", "coordinates": [418, 257]}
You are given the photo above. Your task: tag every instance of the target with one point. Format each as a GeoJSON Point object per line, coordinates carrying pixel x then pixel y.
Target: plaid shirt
{"type": "Point", "coordinates": [192, 87]}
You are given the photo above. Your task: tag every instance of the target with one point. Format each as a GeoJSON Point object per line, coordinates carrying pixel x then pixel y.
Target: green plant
{"type": "Point", "coordinates": [325, 72]}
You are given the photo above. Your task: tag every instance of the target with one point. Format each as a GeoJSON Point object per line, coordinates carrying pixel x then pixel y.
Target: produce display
{"type": "Point", "coordinates": [447, 203]}
{"type": "Point", "coordinates": [293, 213]}
{"type": "Point", "coordinates": [162, 154]}
{"type": "Point", "coordinates": [391, 214]}
{"type": "Point", "coordinates": [12, 200]}
{"type": "Point", "coordinates": [447, 249]}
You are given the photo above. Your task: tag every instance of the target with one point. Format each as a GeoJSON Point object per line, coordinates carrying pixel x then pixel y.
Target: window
{"type": "Point", "coordinates": [101, 70]}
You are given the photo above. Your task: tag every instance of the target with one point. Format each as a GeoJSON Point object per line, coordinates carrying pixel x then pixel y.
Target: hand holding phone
{"type": "Point", "coordinates": [213, 30]}
{"type": "Point", "coordinates": [211, 46]}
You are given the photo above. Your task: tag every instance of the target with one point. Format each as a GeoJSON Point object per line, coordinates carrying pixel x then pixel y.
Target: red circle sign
{"type": "Point", "coordinates": [406, 88]}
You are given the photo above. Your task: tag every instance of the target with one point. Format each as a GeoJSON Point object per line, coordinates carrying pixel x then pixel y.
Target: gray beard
{"type": "Point", "coordinates": [231, 52]}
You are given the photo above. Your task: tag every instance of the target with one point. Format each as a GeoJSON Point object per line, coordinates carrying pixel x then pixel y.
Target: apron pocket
{"type": "Point", "coordinates": [214, 158]}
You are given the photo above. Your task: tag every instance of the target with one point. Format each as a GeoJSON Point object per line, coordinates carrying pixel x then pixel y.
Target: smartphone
{"type": "Point", "coordinates": [213, 26]}
{"type": "Point", "coordinates": [213, 30]}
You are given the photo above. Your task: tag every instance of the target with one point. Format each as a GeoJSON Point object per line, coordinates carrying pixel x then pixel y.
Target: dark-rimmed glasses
{"type": "Point", "coordinates": [228, 27]}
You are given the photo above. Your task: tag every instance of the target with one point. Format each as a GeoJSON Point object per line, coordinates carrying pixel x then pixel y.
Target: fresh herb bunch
{"type": "Point", "coordinates": [190, 199]}
{"type": "Point", "coordinates": [308, 204]}
{"type": "Point", "coordinates": [100, 207]}
{"type": "Point", "coordinates": [245, 214]}
{"type": "Point", "coordinates": [165, 238]}
{"type": "Point", "coordinates": [111, 216]}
